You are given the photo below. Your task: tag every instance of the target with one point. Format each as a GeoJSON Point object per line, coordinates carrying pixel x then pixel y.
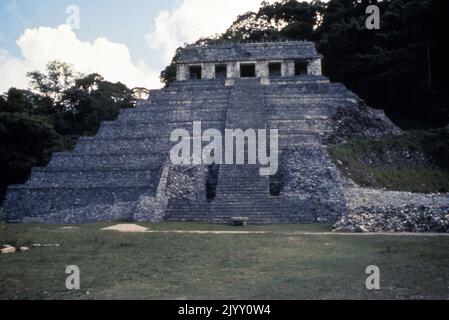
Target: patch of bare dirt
{"type": "Point", "coordinates": [126, 228]}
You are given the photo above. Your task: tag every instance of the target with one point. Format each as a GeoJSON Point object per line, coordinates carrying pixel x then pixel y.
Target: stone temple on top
{"type": "Point", "coordinates": [249, 60]}
{"type": "Point", "coordinates": [124, 172]}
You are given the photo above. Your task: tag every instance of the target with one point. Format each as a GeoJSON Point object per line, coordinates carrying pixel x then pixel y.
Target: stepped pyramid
{"type": "Point", "coordinates": [124, 173]}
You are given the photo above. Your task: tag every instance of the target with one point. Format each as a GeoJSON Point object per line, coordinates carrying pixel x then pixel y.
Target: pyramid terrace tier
{"type": "Point", "coordinates": [124, 171]}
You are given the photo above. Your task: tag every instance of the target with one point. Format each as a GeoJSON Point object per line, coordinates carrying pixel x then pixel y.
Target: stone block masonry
{"type": "Point", "coordinates": [200, 62]}
{"type": "Point", "coordinates": [125, 173]}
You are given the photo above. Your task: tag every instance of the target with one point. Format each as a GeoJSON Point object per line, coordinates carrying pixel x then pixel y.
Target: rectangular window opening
{"type": "Point", "coordinates": [301, 68]}
{"type": "Point", "coordinates": [248, 70]}
{"type": "Point", "coordinates": [274, 69]}
{"type": "Point", "coordinates": [221, 71]}
{"type": "Point", "coordinates": [195, 72]}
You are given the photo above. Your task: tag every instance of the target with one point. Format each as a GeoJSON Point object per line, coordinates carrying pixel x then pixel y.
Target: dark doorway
{"type": "Point", "coordinates": [275, 185]}
{"type": "Point", "coordinates": [274, 69]}
{"type": "Point", "coordinates": [248, 70]}
{"type": "Point", "coordinates": [300, 68]}
{"type": "Point", "coordinates": [221, 71]}
{"type": "Point", "coordinates": [211, 182]}
{"type": "Point", "coordinates": [195, 72]}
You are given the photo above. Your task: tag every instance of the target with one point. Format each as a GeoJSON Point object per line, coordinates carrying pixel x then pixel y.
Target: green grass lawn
{"type": "Point", "coordinates": [277, 265]}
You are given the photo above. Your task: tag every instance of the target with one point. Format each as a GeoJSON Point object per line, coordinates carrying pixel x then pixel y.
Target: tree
{"type": "Point", "coordinates": [168, 75]}
{"type": "Point", "coordinates": [25, 141]}
{"type": "Point", "coordinates": [93, 100]}
{"type": "Point", "coordinates": [59, 77]}
{"type": "Point", "coordinates": [16, 101]}
{"type": "Point", "coordinates": [390, 68]}
{"type": "Point", "coordinates": [3, 104]}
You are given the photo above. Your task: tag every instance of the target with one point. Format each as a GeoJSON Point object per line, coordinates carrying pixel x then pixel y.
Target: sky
{"type": "Point", "coordinates": [129, 41]}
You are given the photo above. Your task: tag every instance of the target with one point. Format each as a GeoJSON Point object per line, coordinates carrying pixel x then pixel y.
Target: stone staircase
{"type": "Point", "coordinates": [312, 188]}
{"type": "Point", "coordinates": [242, 191]}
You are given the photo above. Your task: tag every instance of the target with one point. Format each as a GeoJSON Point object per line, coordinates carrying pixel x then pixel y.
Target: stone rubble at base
{"type": "Point", "coordinates": [408, 218]}
{"type": "Point", "coordinates": [393, 211]}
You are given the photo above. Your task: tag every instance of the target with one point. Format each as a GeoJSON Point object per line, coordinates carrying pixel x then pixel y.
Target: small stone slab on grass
{"type": "Point", "coordinates": [239, 221]}
{"type": "Point", "coordinates": [7, 249]}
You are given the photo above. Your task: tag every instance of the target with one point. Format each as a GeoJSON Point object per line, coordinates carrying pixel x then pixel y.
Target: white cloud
{"type": "Point", "coordinates": [12, 71]}
{"type": "Point", "coordinates": [194, 19]}
{"type": "Point", "coordinates": [41, 45]}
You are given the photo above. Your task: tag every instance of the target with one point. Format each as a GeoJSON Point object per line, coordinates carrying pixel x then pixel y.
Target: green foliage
{"type": "Point", "coordinates": [168, 75]}
{"type": "Point", "coordinates": [397, 67]}
{"type": "Point", "coordinates": [25, 141]}
{"type": "Point", "coordinates": [288, 19]}
{"type": "Point", "coordinates": [16, 101]}
{"type": "Point", "coordinates": [58, 78]}
{"type": "Point", "coordinates": [90, 101]}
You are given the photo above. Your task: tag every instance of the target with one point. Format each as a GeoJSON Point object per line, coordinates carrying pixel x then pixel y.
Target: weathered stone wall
{"type": "Point", "coordinates": [259, 53]}
{"type": "Point", "coordinates": [311, 189]}
{"type": "Point", "coordinates": [182, 72]}
{"type": "Point", "coordinates": [208, 71]}
{"type": "Point", "coordinates": [308, 171]}
{"type": "Point", "coordinates": [314, 68]}
{"type": "Point", "coordinates": [233, 69]}
{"type": "Point", "coordinates": [227, 52]}
{"type": "Point", "coordinates": [262, 69]}
{"type": "Point", "coordinates": [154, 208]}
{"type": "Point", "coordinates": [288, 68]}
